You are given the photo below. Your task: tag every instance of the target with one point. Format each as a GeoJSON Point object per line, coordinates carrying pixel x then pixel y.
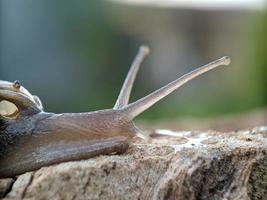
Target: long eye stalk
{"type": "Point", "coordinates": [126, 89]}
{"type": "Point", "coordinates": [136, 108]}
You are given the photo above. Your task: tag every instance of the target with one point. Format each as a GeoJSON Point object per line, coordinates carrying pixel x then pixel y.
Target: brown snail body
{"type": "Point", "coordinates": [31, 138]}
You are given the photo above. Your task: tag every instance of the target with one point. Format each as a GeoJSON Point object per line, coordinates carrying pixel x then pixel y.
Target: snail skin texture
{"type": "Point", "coordinates": [31, 138]}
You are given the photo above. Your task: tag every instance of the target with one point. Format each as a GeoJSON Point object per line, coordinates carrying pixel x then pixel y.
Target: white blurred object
{"type": "Point", "coordinates": [7, 108]}
{"type": "Point", "coordinates": [200, 4]}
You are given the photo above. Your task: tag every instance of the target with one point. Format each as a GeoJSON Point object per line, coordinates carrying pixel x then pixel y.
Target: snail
{"type": "Point", "coordinates": [31, 138]}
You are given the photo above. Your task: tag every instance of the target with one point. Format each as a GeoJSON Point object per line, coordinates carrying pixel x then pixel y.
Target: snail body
{"type": "Point", "coordinates": [31, 138]}
{"type": "Point", "coordinates": [47, 138]}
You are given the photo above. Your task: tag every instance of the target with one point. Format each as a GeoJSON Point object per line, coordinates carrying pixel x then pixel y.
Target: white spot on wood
{"type": "Point", "coordinates": [166, 132]}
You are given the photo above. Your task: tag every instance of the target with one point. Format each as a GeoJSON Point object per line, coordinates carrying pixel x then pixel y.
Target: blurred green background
{"type": "Point", "coordinates": [75, 54]}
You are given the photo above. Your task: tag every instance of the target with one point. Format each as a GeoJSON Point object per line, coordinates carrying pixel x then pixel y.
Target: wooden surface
{"type": "Point", "coordinates": [186, 165]}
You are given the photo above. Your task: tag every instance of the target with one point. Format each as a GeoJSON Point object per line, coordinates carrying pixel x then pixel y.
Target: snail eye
{"type": "Point", "coordinates": [8, 109]}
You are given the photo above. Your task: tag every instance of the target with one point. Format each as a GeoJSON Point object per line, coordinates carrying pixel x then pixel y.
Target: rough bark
{"type": "Point", "coordinates": [190, 165]}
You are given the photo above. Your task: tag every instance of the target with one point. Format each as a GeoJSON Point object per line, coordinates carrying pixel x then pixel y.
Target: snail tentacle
{"type": "Point", "coordinates": [136, 108]}
{"type": "Point", "coordinates": [126, 89]}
